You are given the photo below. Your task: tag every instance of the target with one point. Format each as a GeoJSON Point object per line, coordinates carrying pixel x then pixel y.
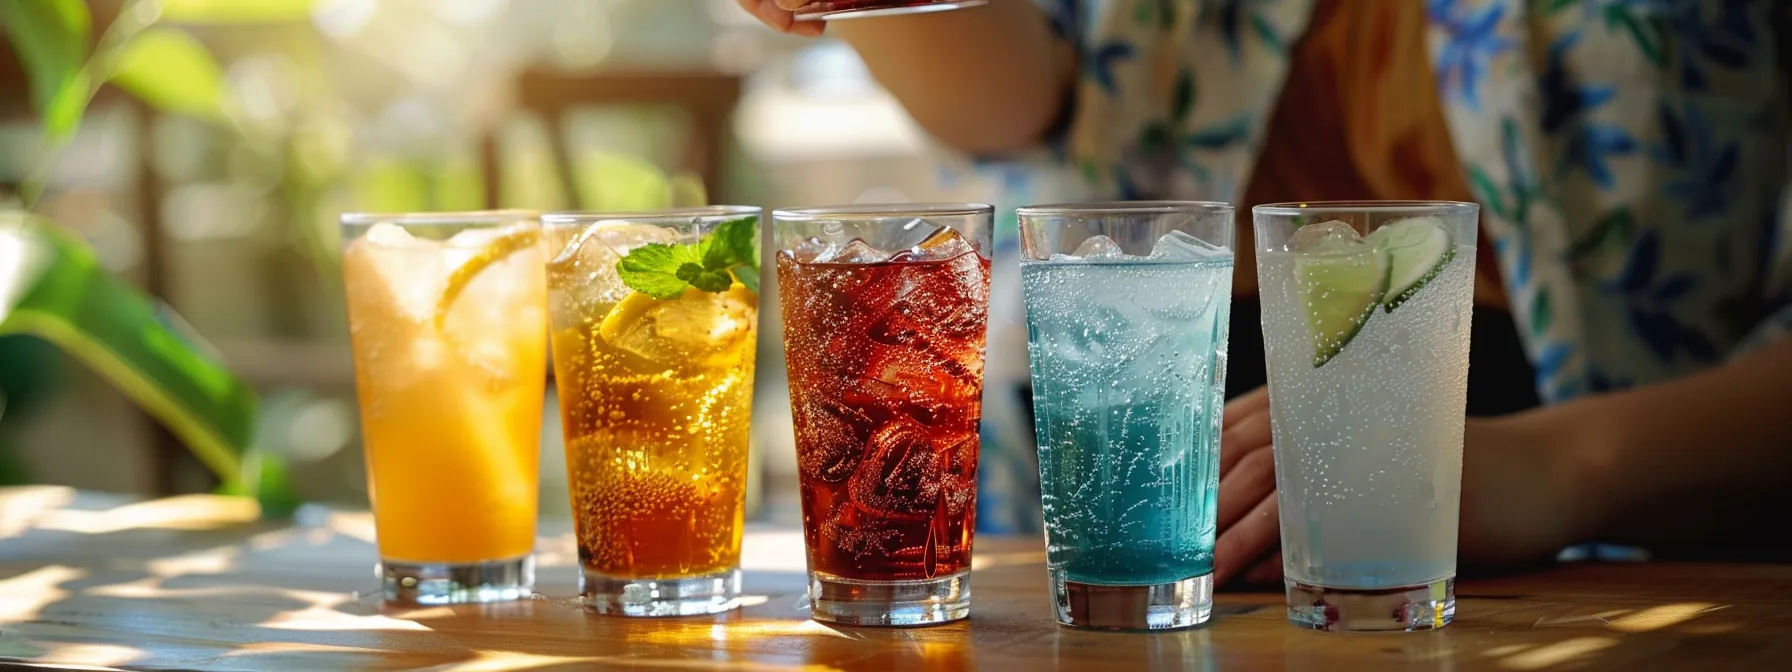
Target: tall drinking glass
{"type": "Point", "coordinates": [1366, 310]}
{"type": "Point", "coordinates": [654, 317]}
{"type": "Point", "coordinates": [833, 10]}
{"type": "Point", "coordinates": [446, 316]}
{"type": "Point", "coordinates": [885, 310]}
{"type": "Point", "coordinates": [1126, 323]}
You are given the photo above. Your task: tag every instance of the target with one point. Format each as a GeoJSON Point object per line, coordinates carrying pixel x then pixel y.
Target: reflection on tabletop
{"type": "Point", "coordinates": [196, 582]}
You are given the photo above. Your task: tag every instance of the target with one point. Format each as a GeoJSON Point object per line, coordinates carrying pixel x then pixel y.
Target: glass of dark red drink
{"type": "Point", "coordinates": [831, 10]}
{"type": "Point", "coordinates": [885, 309]}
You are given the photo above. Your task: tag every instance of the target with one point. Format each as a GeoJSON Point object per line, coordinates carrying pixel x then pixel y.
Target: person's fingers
{"type": "Point", "coordinates": [776, 13]}
{"type": "Point", "coordinates": [1245, 405]}
{"type": "Point", "coordinates": [1246, 541]}
{"type": "Point", "coordinates": [1267, 571]}
{"type": "Point", "coordinates": [1248, 436]}
{"type": "Point", "coordinates": [1249, 482]}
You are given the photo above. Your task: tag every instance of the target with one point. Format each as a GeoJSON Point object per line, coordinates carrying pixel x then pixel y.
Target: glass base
{"type": "Point", "coordinates": [1412, 608]}
{"type": "Point", "coordinates": [838, 14]}
{"type": "Point", "coordinates": [693, 596]}
{"type": "Point", "coordinates": [437, 583]}
{"type": "Point", "coordinates": [1165, 606]}
{"type": "Point", "coordinates": [833, 599]}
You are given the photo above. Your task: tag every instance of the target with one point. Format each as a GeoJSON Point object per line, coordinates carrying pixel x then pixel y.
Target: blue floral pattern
{"type": "Point", "coordinates": [1635, 179]}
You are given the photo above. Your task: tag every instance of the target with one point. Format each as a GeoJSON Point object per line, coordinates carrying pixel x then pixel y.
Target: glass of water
{"type": "Point", "coordinates": [1366, 309]}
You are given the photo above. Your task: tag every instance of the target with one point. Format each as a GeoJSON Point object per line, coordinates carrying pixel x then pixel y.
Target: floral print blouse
{"type": "Point", "coordinates": [1633, 158]}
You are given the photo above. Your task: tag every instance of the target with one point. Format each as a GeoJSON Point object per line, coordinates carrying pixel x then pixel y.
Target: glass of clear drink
{"type": "Point", "coordinates": [1366, 309]}
{"type": "Point", "coordinates": [447, 319]}
{"type": "Point", "coordinates": [654, 318]}
{"type": "Point", "coordinates": [1127, 307]}
{"type": "Point", "coordinates": [885, 312]}
{"type": "Point", "coordinates": [833, 10]}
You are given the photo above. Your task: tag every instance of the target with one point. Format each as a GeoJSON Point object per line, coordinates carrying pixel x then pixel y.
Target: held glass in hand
{"type": "Point", "coordinates": [833, 10]}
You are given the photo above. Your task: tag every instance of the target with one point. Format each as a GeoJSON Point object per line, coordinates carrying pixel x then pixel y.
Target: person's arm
{"type": "Point", "coordinates": [1698, 464]}
{"type": "Point", "coordinates": [987, 80]}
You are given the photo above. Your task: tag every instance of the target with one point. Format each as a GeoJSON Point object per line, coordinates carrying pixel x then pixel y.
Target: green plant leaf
{"type": "Point", "coordinates": [59, 293]}
{"type": "Point", "coordinates": [732, 243]}
{"type": "Point", "coordinates": [652, 269]}
{"type": "Point", "coordinates": [172, 71]}
{"type": "Point", "coordinates": [50, 37]}
{"type": "Point", "coordinates": [62, 117]}
{"type": "Point", "coordinates": [236, 11]}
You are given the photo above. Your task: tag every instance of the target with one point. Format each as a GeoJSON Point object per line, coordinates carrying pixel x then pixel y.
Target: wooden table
{"type": "Point", "coordinates": [196, 583]}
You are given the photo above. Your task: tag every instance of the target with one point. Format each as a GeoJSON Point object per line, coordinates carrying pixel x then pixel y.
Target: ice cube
{"type": "Point", "coordinates": [830, 438]}
{"type": "Point", "coordinates": [901, 474]}
{"type": "Point", "coordinates": [1098, 248]}
{"type": "Point", "coordinates": [1179, 246]}
{"type": "Point", "coordinates": [583, 271]}
{"type": "Point", "coordinates": [945, 243]}
{"type": "Point", "coordinates": [1325, 237]}
{"type": "Point", "coordinates": [476, 238]}
{"type": "Point", "coordinates": [814, 248]}
{"type": "Point", "coordinates": [396, 271]}
{"type": "Point", "coordinates": [855, 252]}
{"type": "Point", "coordinates": [387, 234]}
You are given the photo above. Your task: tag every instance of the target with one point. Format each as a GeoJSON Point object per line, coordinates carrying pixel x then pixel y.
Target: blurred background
{"type": "Point", "coordinates": [220, 139]}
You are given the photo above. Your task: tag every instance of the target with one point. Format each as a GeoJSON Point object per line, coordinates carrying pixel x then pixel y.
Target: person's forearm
{"type": "Point", "coordinates": [986, 80]}
{"type": "Point", "coordinates": [1700, 461]}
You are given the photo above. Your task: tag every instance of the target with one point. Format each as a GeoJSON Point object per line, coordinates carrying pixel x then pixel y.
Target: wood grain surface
{"type": "Point", "coordinates": [196, 583]}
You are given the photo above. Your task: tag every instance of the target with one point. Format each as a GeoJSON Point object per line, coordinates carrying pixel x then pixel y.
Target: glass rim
{"type": "Point", "coordinates": [452, 218]}
{"type": "Point", "coordinates": [1295, 208]}
{"type": "Point", "coordinates": [564, 218]}
{"type": "Point", "coordinates": [861, 211]}
{"type": "Point", "coordinates": [1120, 208]}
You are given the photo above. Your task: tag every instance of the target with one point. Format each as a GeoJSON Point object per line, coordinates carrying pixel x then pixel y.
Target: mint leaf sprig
{"type": "Point", "coordinates": [726, 254]}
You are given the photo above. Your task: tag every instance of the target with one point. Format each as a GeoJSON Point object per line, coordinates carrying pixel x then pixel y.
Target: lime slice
{"type": "Point", "coordinates": [492, 253]}
{"type": "Point", "coordinates": [1418, 249]}
{"type": "Point", "coordinates": [1340, 288]}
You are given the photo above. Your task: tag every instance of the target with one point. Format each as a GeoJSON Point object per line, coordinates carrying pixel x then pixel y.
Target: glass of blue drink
{"type": "Point", "coordinates": [1126, 323]}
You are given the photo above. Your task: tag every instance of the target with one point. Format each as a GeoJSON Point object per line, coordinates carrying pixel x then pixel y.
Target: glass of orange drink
{"type": "Point", "coordinates": [448, 326]}
{"type": "Point", "coordinates": [654, 317]}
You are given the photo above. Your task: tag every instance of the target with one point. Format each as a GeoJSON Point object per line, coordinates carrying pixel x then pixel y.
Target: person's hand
{"type": "Point", "coordinates": [1248, 518]}
{"type": "Point", "coordinates": [1520, 498]}
{"type": "Point", "coordinates": [777, 14]}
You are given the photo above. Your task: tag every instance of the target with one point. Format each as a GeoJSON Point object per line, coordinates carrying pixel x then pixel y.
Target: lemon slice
{"type": "Point", "coordinates": [492, 253]}
{"type": "Point", "coordinates": [697, 329]}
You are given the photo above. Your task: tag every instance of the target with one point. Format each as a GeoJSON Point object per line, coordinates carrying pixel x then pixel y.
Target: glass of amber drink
{"type": "Point", "coordinates": [654, 317]}
{"type": "Point", "coordinates": [446, 317]}
{"type": "Point", "coordinates": [885, 310]}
